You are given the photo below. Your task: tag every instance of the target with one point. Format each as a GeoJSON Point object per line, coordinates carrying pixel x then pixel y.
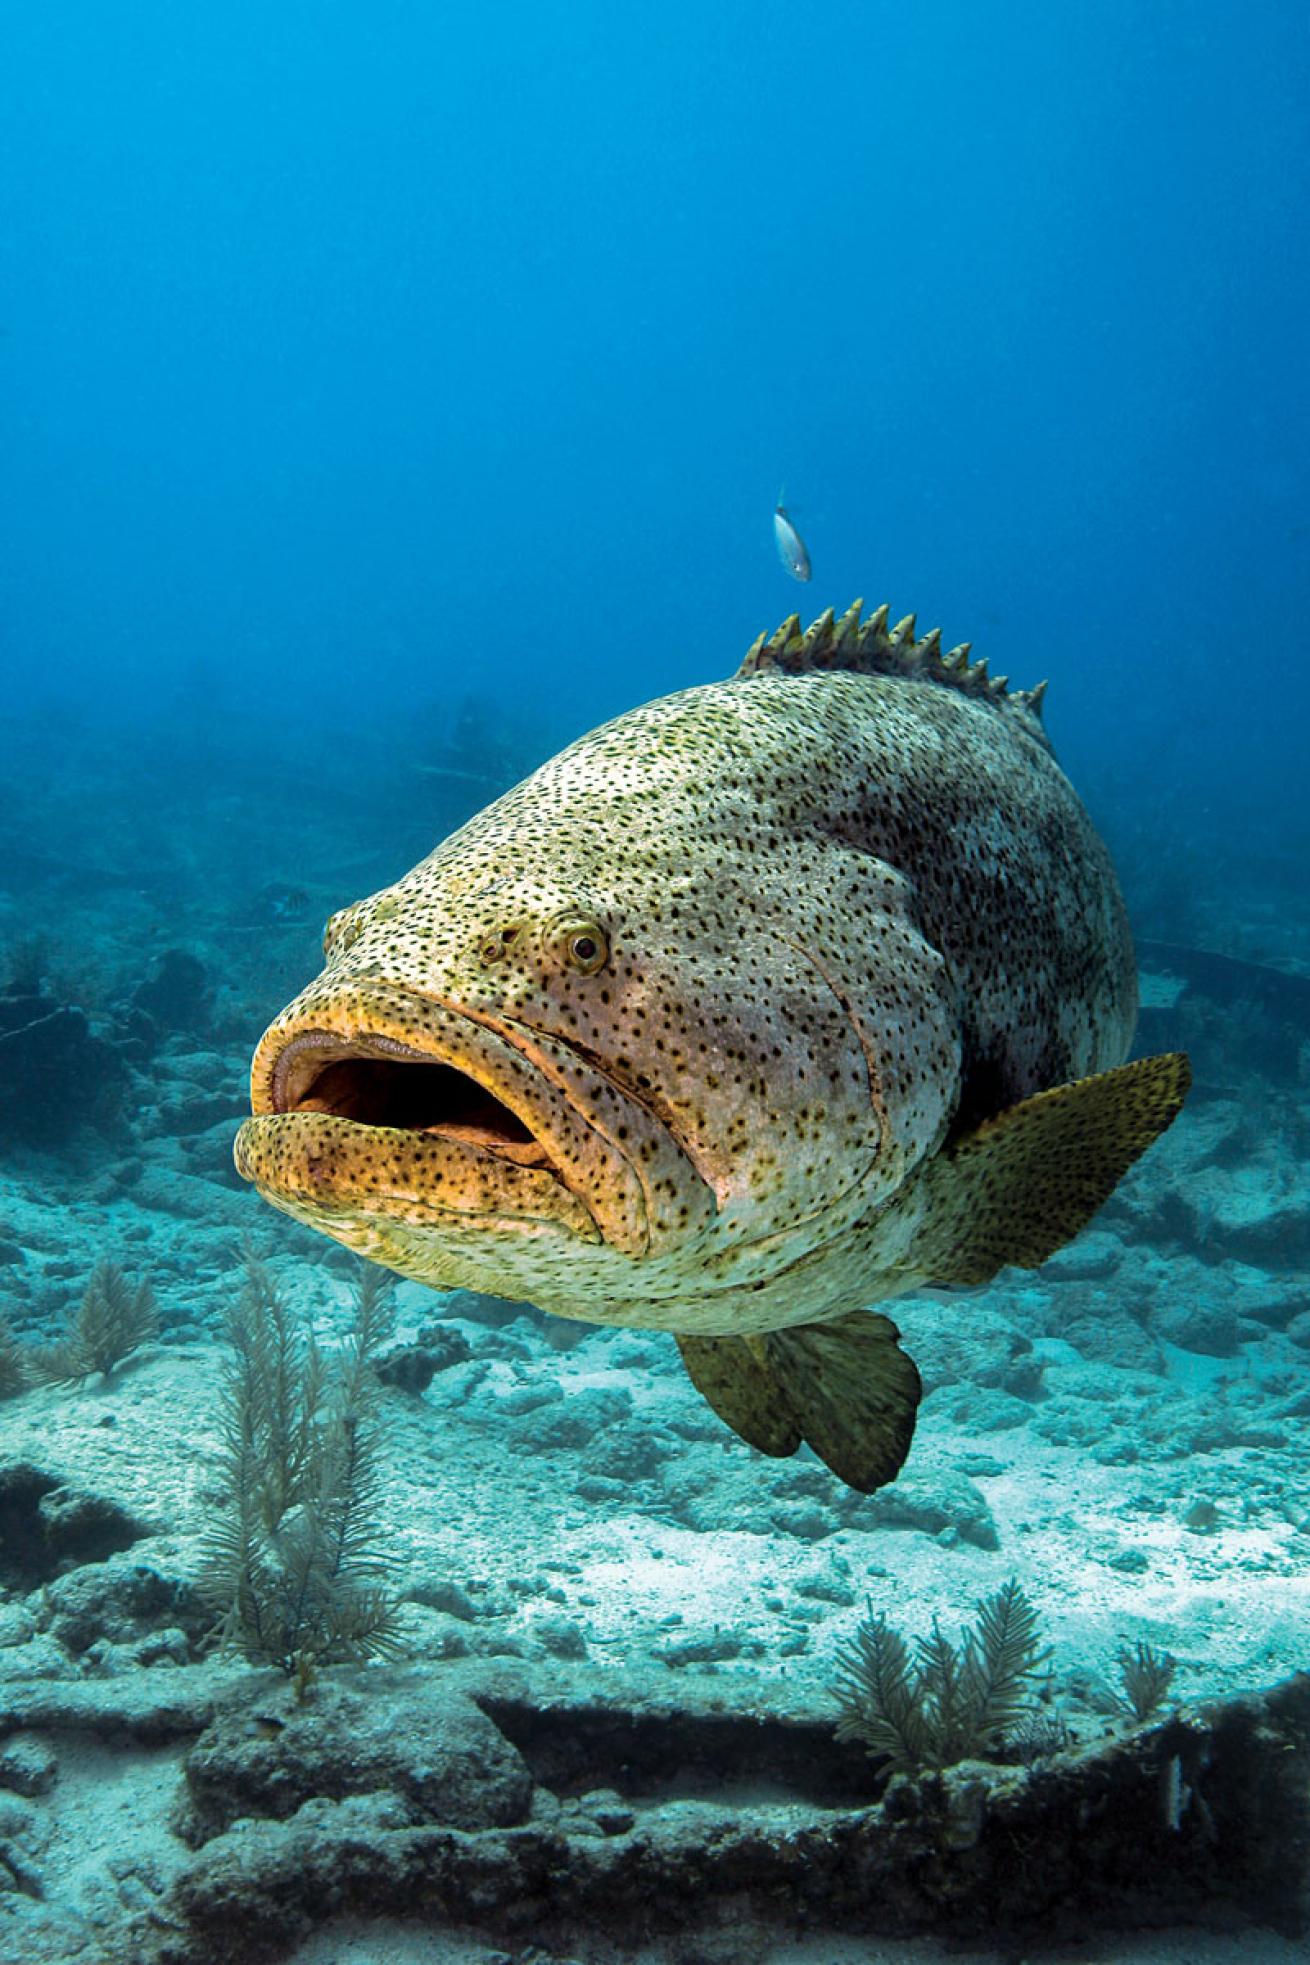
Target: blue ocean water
{"type": "Point", "coordinates": [390, 394]}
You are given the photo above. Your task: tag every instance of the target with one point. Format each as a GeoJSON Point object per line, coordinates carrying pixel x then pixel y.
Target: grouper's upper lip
{"type": "Point", "coordinates": [386, 1056]}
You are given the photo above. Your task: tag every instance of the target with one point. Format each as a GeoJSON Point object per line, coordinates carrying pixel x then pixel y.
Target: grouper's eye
{"type": "Point", "coordinates": [583, 944]}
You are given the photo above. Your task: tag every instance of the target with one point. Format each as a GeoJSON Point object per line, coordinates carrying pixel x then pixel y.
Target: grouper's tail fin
{"type": "Point", "coordinates": [846, 1387]}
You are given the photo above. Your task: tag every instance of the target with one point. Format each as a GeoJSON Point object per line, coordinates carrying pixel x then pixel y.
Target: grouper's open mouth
{"type": "Point", "coordinates": [384, 1083]}
{"type": "Point", "coordinates": [376, 1101]}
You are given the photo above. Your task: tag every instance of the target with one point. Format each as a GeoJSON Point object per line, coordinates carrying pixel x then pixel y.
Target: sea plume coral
{"type": "Point", "coordinates": [943, 1704]}
{"type": "Point", "coordinates": [294, 1570]}
{"type": "Point", "coordinates": [1146, 1675]}
{"type": "Point", "coordinates": [114, 1319]}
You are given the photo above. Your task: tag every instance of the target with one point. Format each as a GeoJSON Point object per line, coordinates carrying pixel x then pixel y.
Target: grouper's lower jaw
{"type": "Point", "coordinates": [446, 1213]}
{"type": "Point", "coordinates": [333, 1172]}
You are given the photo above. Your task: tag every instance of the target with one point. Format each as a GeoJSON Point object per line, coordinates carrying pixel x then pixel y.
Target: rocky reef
{"type": "Point", "coordinates": [499, 1802]}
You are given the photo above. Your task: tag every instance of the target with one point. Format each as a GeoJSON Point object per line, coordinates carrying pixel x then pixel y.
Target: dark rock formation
{"type": "Point", "coordinates": [645, 1823]}
{"type": "Point", "coordinates": [47, 1527]}
{"type": "Point", "coordinates": [177, 996]}
{"type": "Point", "coordinates": [412, 1367]}
{"type": "Point", "coordinates": [56, 1075]}
{"type": "Point", "coordinates": [121, 1602]}
{"type": "Point", "coordinates": [443, 1761]}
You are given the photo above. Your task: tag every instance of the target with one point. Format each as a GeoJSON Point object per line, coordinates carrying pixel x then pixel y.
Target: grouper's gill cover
{"type": "Point", "coordinates": [760, 1004]}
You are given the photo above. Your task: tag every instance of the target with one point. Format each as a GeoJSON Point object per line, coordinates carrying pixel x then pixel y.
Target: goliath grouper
{"type": "Point", "coordinates": [765, 1002]}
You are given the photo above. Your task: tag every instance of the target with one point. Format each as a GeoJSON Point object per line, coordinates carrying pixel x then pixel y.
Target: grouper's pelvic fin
{"type": "Point", "coordinates": [1021, 1185]}
{"type": "Point", "coordinates": [872, 648]}
{"type": "Point", "coordinates": [846, 1387]}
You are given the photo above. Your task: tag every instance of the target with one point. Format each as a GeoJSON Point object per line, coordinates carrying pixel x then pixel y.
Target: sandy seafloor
{"type": "Point", "coordinates": [1127, 1431]}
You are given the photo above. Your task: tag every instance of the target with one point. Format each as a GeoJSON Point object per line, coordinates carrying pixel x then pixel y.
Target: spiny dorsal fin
{"type": "Point", "coordinates": [871, 648]}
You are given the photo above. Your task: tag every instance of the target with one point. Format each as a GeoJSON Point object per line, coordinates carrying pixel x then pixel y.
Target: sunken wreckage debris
{"type": "Point", "coordinates": [750, 1819]}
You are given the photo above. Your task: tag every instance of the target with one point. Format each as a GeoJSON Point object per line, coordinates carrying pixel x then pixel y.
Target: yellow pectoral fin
{"type": "Point", "coordinates": [846, 1387]}
{"type": "Point", "coordinates": [1024, 1183]}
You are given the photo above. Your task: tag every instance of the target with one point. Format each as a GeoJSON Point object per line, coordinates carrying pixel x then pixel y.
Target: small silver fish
{"type": "Point", "coordinates": [791, 547]}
